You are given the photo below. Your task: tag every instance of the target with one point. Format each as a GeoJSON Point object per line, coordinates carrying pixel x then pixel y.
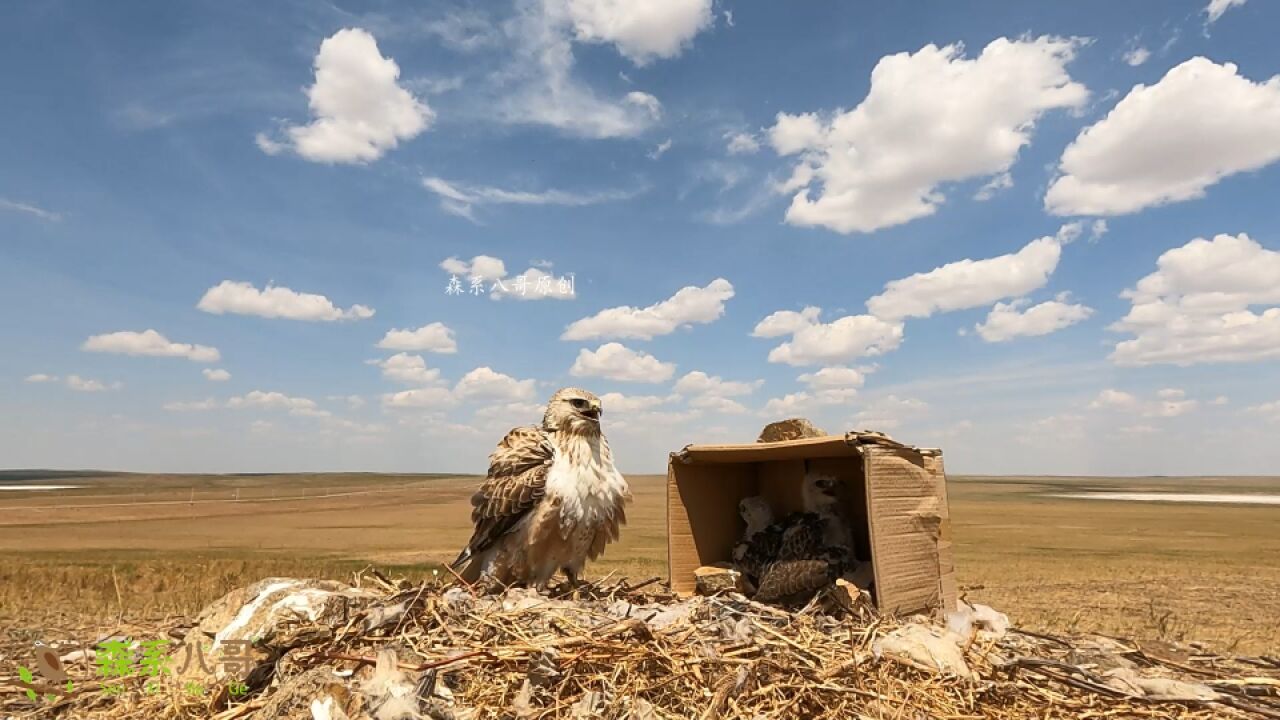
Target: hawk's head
{"type": "Point", "coordinates": [573, 410]}
{"type": "Point", "coordinates": [756, 512]}
{"type": "Point", "coordinates": [820, 492]}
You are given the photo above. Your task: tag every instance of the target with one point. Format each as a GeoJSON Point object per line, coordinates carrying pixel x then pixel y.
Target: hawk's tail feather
{"type": "Point", "coordinates": [463, 556]}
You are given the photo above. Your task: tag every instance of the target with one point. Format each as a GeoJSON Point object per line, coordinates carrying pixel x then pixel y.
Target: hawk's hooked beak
{"type": "Point", "coordinates": [594, 411]}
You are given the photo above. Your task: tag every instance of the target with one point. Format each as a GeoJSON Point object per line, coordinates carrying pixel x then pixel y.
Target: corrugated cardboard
{"type": "Point", "coordinates": [897, 499]}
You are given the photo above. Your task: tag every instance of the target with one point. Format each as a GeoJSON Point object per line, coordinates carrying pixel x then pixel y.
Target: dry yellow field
{"type": "Point", "coordinates": [144, 546]}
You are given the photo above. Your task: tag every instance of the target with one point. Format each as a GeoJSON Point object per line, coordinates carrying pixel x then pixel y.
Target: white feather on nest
{"type": "Point", "coordinates": [390, 693]}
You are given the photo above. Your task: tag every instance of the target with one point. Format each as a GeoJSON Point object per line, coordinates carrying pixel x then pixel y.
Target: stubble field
{"type": "Point", "coordinates": [147, 546]}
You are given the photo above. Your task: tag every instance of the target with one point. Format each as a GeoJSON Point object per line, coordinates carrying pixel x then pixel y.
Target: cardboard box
{"type": "Point", "coordinates": [896, 499]}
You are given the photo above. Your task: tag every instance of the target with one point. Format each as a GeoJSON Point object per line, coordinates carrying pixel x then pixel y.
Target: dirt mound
{"type": "Point", "coordinates": [790, 429]}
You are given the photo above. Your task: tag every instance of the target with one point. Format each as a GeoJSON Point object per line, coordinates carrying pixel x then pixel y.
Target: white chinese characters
{"type": "Point", "coordinates": [530, 285]}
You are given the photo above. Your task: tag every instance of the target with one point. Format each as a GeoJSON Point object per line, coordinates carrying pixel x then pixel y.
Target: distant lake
{"type": "Point", "coordinates": [38, 487]}
{"type": "Point", "coordinates": [1218, 498]}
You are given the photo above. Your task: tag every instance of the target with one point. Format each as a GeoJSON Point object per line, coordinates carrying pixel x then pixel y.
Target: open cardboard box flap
{"type": "Point", "coordinates": [896, 499]}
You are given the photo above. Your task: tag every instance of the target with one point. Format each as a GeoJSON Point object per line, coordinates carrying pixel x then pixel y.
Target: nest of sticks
{"type": "Point", "coordinates": [616, 649]}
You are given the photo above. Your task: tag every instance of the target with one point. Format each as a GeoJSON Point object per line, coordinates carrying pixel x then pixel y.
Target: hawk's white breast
{"type": "Point", "coordinates": [583, 478]}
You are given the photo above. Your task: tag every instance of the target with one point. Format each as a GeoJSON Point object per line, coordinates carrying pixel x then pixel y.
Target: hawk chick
{"type": "Point", "coordinates": [801, 553]}
{"type": "Point", "coordinates": [820, 495]}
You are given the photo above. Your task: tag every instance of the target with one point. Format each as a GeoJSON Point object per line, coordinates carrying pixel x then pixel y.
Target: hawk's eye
{"type": "Point", "coordinates": [578, 403]}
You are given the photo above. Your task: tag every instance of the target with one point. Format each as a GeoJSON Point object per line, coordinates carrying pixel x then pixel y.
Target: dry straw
{"type": "Point", "coordinates": [635, 651]}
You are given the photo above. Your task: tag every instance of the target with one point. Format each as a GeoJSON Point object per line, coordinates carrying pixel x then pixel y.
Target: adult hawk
{"type": "Point", "coordinates": [553, 499]}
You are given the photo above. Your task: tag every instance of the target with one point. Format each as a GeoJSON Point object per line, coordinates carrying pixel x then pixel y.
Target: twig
{"type": "Point", "coordinates": [364, 660]}
{"type": "Point", "coordinates": [628, 589]}
{"type": "Point", "coordinates": [1041, 636]}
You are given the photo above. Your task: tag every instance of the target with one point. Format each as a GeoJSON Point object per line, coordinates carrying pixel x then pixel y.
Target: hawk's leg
{"type": "Point", "coordinates": [575, 582]}
{"type": "Point", "coordinates": [489, 585]}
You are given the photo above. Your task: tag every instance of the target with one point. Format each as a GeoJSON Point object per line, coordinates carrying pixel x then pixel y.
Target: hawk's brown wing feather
{"type": "Point", "coordinates": [788, 578]}
{"type": "Point", "coordinates": [801, 537]}
{"type": "Point", "coordinates": [516, 482]}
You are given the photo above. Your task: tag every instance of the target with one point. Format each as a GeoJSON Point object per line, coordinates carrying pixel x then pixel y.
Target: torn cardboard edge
{"type": "Point", "coordinates": [825, 446]}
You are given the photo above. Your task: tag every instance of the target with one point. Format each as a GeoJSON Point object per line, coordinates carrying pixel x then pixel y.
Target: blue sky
{"type": "Point", "coordinates": [1063, 216]}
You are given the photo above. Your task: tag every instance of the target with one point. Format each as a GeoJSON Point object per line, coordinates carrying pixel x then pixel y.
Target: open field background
{"type": "Point", "coordinates": [144, 546]}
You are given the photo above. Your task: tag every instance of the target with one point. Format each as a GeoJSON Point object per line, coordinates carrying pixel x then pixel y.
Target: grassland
{"type": "Point", "coordinates": [144, 546]}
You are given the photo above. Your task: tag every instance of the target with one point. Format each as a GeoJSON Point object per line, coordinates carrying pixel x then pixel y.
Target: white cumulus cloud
{"type": "Point", "coordinates": [786, 322]}
{"type": "Point", "coordinates": [930, 117]}
{"type": "Point", "coordinates": [277, 401]}
{"type": "Point", "coordinates": [825, 389]}
{"type": "Point", "coordinates": [215, 374]}
{"type": "Point", "coordinates": [700, 383]}
{"type": "Point", "coordinates": [834, 378]}
{"type": "Point", "coordinates": [407, 369]}
{"type": "Point", "coordinates": [1111, 398]}
{"type": "Point", "coordinates": [888, 413]}
{"type": "Point", "coordinates": [1197, 306]}
{"type": "Point", "coordinates": [642, 31]}
{"type": "Point", "coordinates": [480, 267]}
{"type": "Point", "coordinates": [149, 342]}
{"type": "Point", "coordinates": [79, 384]}
{"type": "Point", "coordinates": [1216, 8]}
{"type": "Point", "coordinates": [428, 397]}
{"type": "Point", "coordinates": [1169, 402]}
{"type": "Point", "coordinates": [433, 337]}
{"type": "Point", "coordinates": [1137, 56]}
{"type": "Point", "coordinates": [690, 305]}
{"type": "Point", "coordinates": [969, 283]}
{"type": "Point", "coordinates": [484, 382]}
{"type": "Point", "coordinates": [645, 101]}
{"type": "Point", "coordinates": [242, 298]}
{"type": "Point", "coordinates": [791, 405]}
{"type": "Point", "coordinates": [614, 402]}
{"type": "Point", "coordinates": [616, 361]}
{"type": "Point", "coordinates": [742, 143]}
{"type": "Point", "coordinates": [505, 415]}
{"type": "Point", "coordinates": [792, 134]}
{"type": "Point", "coordinates": [546, 89]}
{"type": "Point", "coordinates": [816, 343]}
{"type": "Point", "coordinates": [717, 404]}
{"type": "Point", "coordinates": [359, 109]}
{"type": "Point", "coordinates": [41, 378]}
{"type": "Point", "coordinates": [1015, 319]}
{"type": "Point", "coordinates": [1170, 141]}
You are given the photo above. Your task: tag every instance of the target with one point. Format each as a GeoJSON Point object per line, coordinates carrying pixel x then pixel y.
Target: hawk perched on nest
{"type": "Point", "coordinates": [552, 500]}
